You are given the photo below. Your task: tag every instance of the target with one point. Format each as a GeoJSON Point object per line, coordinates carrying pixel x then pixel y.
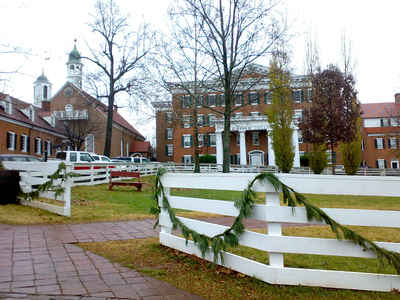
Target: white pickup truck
{"type": "Point", "coordinates": [74, 156]}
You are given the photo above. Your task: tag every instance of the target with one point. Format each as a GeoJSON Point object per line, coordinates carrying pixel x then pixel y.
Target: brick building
{"type": "Point", "coordinates": [381, 134]}
{"type": "Point", "coordinates": [250, 143]}
{"type": "Point", "coordinates": [44, 126]}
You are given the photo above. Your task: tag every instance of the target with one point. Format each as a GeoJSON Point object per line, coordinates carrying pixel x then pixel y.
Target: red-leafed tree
{"type": "Point", "coordinates": [332, 116]}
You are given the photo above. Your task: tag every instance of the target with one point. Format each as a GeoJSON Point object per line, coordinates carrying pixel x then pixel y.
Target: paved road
{"type": "Point", "coordinates": [41, 262]}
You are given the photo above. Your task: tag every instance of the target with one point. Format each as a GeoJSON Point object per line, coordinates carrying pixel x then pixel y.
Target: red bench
{"type": "Point", "coordinates": [120, 174]}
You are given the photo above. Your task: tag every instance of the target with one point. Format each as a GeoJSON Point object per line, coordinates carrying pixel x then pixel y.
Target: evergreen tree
{"type": "Point", "coordinates": [280, 113]}
{"type": "Point", "coordinates": [351, 153]}
{"type": "Point", "coordinates": [318, 158]}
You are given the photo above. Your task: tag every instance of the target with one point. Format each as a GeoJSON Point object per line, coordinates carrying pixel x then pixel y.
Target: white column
{"type": "Point", "coordinates": [295, 143]}
{"type": "Point", "coordinates": [243, 153]}
{"type": "Point", "coordinates": [271, 154]}
{"type": "Point", "coordinates": [220, 150]}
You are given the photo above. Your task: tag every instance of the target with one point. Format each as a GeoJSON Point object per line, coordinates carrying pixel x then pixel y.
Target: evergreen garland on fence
{"type": "Point", "coordinates": [230, 237]}
{"type": "Point", "coordinates": [58, 189]}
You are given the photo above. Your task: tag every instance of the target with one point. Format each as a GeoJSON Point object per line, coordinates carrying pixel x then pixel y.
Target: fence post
{"type": "Point", "coordinates": [165, 222]}
{"type": "Point", "coordinates": [67, 192]}
{"type": "Point", "coordinates": [274, 229]}
{"type": "Point", "coordinates": [91, 175]}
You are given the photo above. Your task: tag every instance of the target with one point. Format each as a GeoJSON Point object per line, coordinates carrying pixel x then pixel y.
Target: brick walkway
{"type": "Point", "coordinates": [40, 262]}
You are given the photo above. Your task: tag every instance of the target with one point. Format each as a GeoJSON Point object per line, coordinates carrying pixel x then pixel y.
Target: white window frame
{"type": "Point", "coordinates": [234, 99]}
{"type": "Point", "coordinates": [170, 134]}
{"type": "Point", "coordinates": [393, 142]}
{"type": "Point", "coordinates": [379, 143]}
{"type": "Point", "coordinates": [256, 138]}
{"type": "Point", "coordinates": [168, 116]}
{"type": "Point", "coordinates": [187, 141]}
{"type": "Point", "coordinates": [186, 121]}
{"type": "Point", "coordinates": [297, 96]}
{"type": "Point", "coordinates": [38, 143]}
{"type": "Point", "coordinates": [394, 161]}
{"type": "Point", "coordinates": [250, 98]}
{"type": "Point", "coordinates": [210, 139]}
{"type": "Point", "coordinates": [201, 139]}
{"type": "Point", "coordinates": [385, 122]}
{"type": "Point", "coordinates": [267, 97]}
{"type": "Point", "coordinates": [25, 143]}
{"type": "Point", "coordinates": [200, 120]}
{"type": "Point", "coordinates": [215, 100]}
{"type": "Point", "coordinates": [211, 118]}
{"type": "Point", "coordinates": [170, 150]}
{"type": "Point", "coordinates": [381, 163]}
{"type": "Point", "coordinates": [12, 142]}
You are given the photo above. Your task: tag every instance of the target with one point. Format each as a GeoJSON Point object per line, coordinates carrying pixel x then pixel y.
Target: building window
{"type": "Point", "coordinates": [211, 140]}
{"type": "Point", "coordinates": [11, 140]}
{"type": "Point", "coordinates": [199, 101]}
{"type": "Point", "coordinates": [393, 143]}
{"type": "Point", "coordinates": [187, 120]}
{"type": "Point", "coordinates": [309, 95]}
{"type": "Point", "coordinates": [211, 100]}
{"type": "Point", "coordinates": [47, 145]}
{"type": "Point", "coordinates": [69, 108]}
{"type": "Point", "coordinates": [186, 101]}
{"type": "Point", "coordinates": [238, 138]}
{"type": "Point", "coordinates": [169, 133]}
{"type": "Point", "coordinates": [211, 120]}
{"type": "Point", "coordinates": [7, 105]}
{"type": "Point", "coordinates": [45, 92]}
{"type": "Point", "coordinates": [187, 141]}
{"type": "Point", "coordinates": [256, 138]}
{"type": "Point", "coordinates": [298, 115]}
{"type": "Point", "coordinates": [200, 120]}
{"type": "Point", "coordinates": [168, 117]}
{"type": "Point", "coordinates": [267, 98]}
{"type": "Point", "coordinates": [379, 143]}
{"type": "Point", "coordinates": [24, 143]}
{"type": "Point", "coordinates": [299, 137]}
{"type": "Point", "coordinates": [385, 122]}
{"type": "Point", "coordinates": [255, 114]}
{"type": "Point", "coordinates": [238, 99]}
{"type": "Point", "coordinates": [298, 96]}
{"type": "Point", "coordinates": [221, 100]}
{"type": "Point", "coordinates": [187, 159]}
{"type": "Point", "coordinates": [254, 98]}
{"type": "Point", "coordinates": [89, 143]}
{"type": "Point", "coordinates": [394, 122]}
{"type": "Point", "coordinates": [170, 150]}
{"type": "Point", "coordinates": [235, 159]}
{"type": "Point", "coordinates": [201, 140]}
{"type": "Point", "coordinates": [394, 164]}
{"type": "Point", "coordinates": [381, 163]}
{"type": "Point", "coordinates": [38, 146]}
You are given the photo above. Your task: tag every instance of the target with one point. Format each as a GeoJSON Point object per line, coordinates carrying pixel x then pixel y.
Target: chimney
{"type": "Point", "coordinates": [397, 98]}
{"type": "Point", "coordinates": [46, 105]}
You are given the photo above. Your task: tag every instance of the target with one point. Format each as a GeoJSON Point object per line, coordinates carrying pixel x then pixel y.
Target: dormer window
{"type": "Point", "coordinates": [7, 106]}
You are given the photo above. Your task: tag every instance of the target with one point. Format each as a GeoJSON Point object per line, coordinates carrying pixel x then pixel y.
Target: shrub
{"type": "Point", "coordinates": [305, 160]}
{"type": "Point", "coordinates": [318, 158]}
{"type": "Point", "coordinates": [207, 159]}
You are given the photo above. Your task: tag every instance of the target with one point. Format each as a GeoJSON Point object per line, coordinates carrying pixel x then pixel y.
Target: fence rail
{"type": "Point", "coordinates": [275, 215]}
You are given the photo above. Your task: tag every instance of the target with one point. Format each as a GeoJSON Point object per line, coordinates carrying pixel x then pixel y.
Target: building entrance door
{"type": "Point", "coordinates": [256, 158]}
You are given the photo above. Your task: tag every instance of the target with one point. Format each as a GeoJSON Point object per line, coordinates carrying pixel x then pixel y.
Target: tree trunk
{"type": "Point", "coordinates": [107, 145]}
{"type": "Point", "coordinates": [196, 139]}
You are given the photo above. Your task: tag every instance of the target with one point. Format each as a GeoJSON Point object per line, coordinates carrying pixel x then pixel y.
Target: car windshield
{"type": "Point", "coordinates": [95, 157]}
{"type": "Point", "coordinates": [85, 157]}
{"type": "Point", "coordinates": [104, 158]}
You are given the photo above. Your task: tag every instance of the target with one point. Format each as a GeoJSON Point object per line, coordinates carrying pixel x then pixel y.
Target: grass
{"type": "Point", "coordinates": [200, 277]}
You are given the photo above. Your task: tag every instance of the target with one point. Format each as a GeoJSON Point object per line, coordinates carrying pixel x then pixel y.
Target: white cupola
{"type": "Point", "coordinates": [41, 90]}
{"type": "Point", "coordinates": [74, 67]}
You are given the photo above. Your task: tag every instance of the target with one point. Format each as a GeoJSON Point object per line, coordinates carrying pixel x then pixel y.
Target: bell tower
{"type": "Point", "coordinates": [74, 67]}
{"type": "Point", "coordinates": [41, 90]}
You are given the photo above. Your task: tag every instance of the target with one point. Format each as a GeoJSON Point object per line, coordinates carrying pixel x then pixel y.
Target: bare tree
{"type": "Point", "coordinates": [119, 57]}
{"type": "Point", "coordinates": [234, 35]}
{"type": "Point", "coordinates": [77, 131]}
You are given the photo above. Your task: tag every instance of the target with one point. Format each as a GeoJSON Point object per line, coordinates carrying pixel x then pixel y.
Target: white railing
{"type": "Point", "coordinates": [33, 174]}
{"type": "Point", "coordinates": [275, 215]}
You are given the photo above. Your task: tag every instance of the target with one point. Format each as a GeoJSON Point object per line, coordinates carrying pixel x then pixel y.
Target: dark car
{"type": "Point", "coordinates": [19, 157]}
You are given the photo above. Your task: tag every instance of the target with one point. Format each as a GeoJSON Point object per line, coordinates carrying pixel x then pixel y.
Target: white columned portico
{"type": "Point", "coordinates": [271, 153]}
{"type": "Point", "coordinates": [220, 150]}
{"type": "Point", "coordinates": [243, 152]}
{"type": "Point", "coordinates": [295, 143]}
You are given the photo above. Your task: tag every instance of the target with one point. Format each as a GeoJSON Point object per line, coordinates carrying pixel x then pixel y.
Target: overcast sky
{"type": "Point", "coordinates": [47, 28]}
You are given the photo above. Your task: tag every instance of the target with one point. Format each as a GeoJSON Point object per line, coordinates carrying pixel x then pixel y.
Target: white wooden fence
{"type": "Point", "coordinates": [33, 174]}
{"type": "Point", "coordinates": [274, 214]}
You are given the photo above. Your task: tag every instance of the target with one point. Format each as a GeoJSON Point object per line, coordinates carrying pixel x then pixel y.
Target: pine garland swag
{"type": "Point", "coordinates": [245, 204]}
{"type": "Point", "coordinates": [60, 173]}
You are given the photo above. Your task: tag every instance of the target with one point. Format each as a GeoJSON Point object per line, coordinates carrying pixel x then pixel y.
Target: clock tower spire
{"type": "Point", "coordinates": [74, 67]}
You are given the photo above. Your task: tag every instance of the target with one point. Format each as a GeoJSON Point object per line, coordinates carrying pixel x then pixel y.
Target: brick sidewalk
{"type": "Point", "coordinates": [39, 262]}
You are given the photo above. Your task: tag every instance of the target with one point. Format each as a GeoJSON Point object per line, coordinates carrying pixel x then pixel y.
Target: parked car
{"type": "Point", "coordinates": [75, 156]}
{"type": "Point", "coordinates": [100, 158]}
{"type": "Point", "coordinates": [19, 157]}
{"type": "Point", "coordinates": [136, 160]}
